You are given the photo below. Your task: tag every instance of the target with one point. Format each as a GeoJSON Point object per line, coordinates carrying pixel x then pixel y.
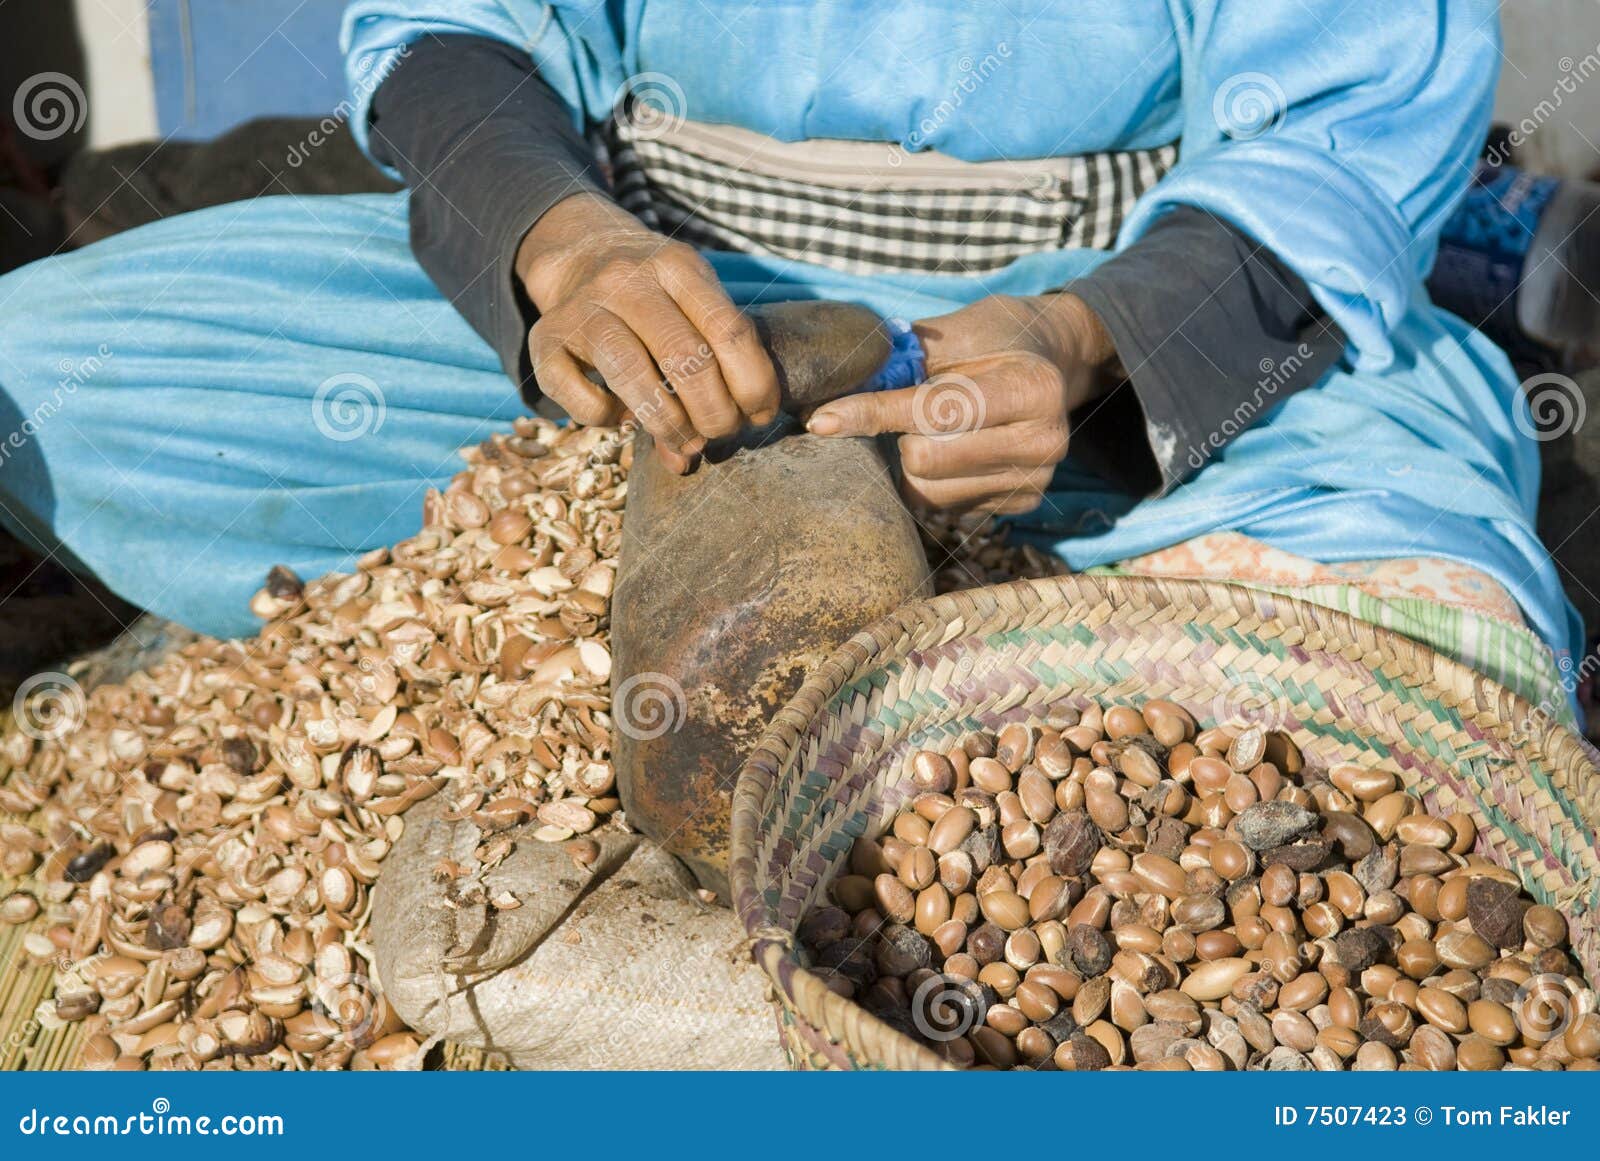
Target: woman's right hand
{"type": "Point", "coordinates": [649, 316]}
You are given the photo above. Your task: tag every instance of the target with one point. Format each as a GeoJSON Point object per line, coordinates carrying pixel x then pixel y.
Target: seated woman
{"type": "Point", "coordinates": [1167, 261]}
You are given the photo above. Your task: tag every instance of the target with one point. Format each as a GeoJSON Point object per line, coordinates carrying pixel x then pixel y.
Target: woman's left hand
{"type": "Point", "coordinates": [987, 429]}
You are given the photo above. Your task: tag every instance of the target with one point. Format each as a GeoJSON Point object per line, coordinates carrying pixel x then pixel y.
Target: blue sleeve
{"type": "Point", "coordinates": [1340, 136]}
{"type": "Point", "coordinates": [575, 44]}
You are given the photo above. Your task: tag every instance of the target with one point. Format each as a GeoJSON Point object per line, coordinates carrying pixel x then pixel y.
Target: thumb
{"type": "Point", "coordinates": [869, 413]}
{"type": "Point", "coordinates": [951, 338]}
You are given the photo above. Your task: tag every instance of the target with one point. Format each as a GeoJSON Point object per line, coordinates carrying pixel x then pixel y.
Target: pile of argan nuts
{"type": "Point", "coordinates": [1118, 889]}
{"type": "Point", "coordinates": [195, 856]}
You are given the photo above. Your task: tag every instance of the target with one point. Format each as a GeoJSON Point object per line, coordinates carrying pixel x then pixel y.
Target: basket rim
{"type": "Point", "coordinates": [1458, 686]}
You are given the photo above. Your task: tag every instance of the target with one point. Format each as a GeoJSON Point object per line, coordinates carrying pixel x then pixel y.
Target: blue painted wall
{"type": "Point", "coordinates": [221, 62]}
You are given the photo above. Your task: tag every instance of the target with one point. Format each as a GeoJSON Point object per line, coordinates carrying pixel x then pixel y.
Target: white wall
{"type": "Point", "coordinates": [1550, 82]}
{"type": "Point", "coordinates": [116, 46]}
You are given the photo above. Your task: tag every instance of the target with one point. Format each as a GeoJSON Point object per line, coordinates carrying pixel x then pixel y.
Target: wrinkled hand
{"type": "Point", "coordinates": [649, 316]}
{"type": "Point", "coordinates": [988, 428]}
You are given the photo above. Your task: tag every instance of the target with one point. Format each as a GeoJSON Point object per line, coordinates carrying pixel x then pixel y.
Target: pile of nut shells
{"type": "Point", "coordinates": [194, 848]}
{"type": "Point", "coordinates": [1119, 889]}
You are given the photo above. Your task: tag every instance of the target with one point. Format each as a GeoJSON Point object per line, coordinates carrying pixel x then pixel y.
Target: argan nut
{"type": "Point", "coordinates": [918, 868]}
{"type": "Point", "coordinates": [1475, 1054]}
{"type": "Point", "coordinates": [1000, 976]}
{"type": "Point", "coordinates": [1081, 1053]}
{"type": "Point", "coordinates": [1014, 745]}
{"type": "Point", "coordinates": [1442, 1010]}
{"type": "Point", "coordinates": [1464, 949]}
{"type": "Point", "coordinates": [1418, 958]}
{"type": "Point", "coordinates": [1495, 911]}
{"type": "Point", "coordinates": [932, 909]}
{"type": "Point", "coordinates": [949, 937]}
{"type": "Point", "coordinates": [1089, 951]}
{"type": "Point", "coordinates": [955, 871]}
{"type": "Point", "coordinates": [932, 773]}
{"type": "Point", "coordinates": [894, 898]}
{"type": "Point", "coordinates": [986, 944]}
{"type": "Point", "coordinates": [990, 776]}
{"type": "Point", "coordinates": [1582, 1038]}
{"type": "Point", "coordinates": [1544, 926]}
{"type": "Point", "coordinates": [1494, 1022]}
{"type": "Point", "coordinates": [1266, 825]}
{"type": "Point", "coordinates": [1389, 1023]}
{"type": "Point", "coordinates": [1071, 841]}
{"type": "Point", "coordinates": [1213, 980]}
{"type": "Point", "coordinates": [952, 829]}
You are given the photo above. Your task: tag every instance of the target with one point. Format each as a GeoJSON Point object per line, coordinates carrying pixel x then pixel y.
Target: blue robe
{"type": "Point", "coordinates": [278, 381]}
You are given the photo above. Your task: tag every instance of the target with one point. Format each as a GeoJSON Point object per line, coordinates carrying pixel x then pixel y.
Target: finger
{"type": "Point", "coordinates": [686, 361]}
{"type": "Point", "coordinates": [987, 393]}
{"type": "Point", "coordinates": [745, 366]}
{"type": "Point", "coordinates": [678, 465]}
{"type": "Point", "coordinates": [1016, 490]}
{"type": "Point", "coordinates": [869, 413]}
{"type": "Point", "coordinates": [559, 376]}
{"type": "Point", "coordinates": [991, 451]}
{"type": "Point", "coordinates": [967, 333]}
{"type": "Point", "coordinates": [608, 345]}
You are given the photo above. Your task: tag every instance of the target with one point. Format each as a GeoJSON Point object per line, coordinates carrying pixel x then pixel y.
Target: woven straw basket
{"type": "Point", "coordinates": [834, 763]}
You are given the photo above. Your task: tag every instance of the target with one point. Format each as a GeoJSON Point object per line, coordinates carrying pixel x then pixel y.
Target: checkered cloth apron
{"type": "Point", "coordinates": [897, 216]}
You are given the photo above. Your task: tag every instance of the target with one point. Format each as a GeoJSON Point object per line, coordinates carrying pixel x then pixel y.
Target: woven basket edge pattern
{"type": "Point", "coordinates": [1476, 697]}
